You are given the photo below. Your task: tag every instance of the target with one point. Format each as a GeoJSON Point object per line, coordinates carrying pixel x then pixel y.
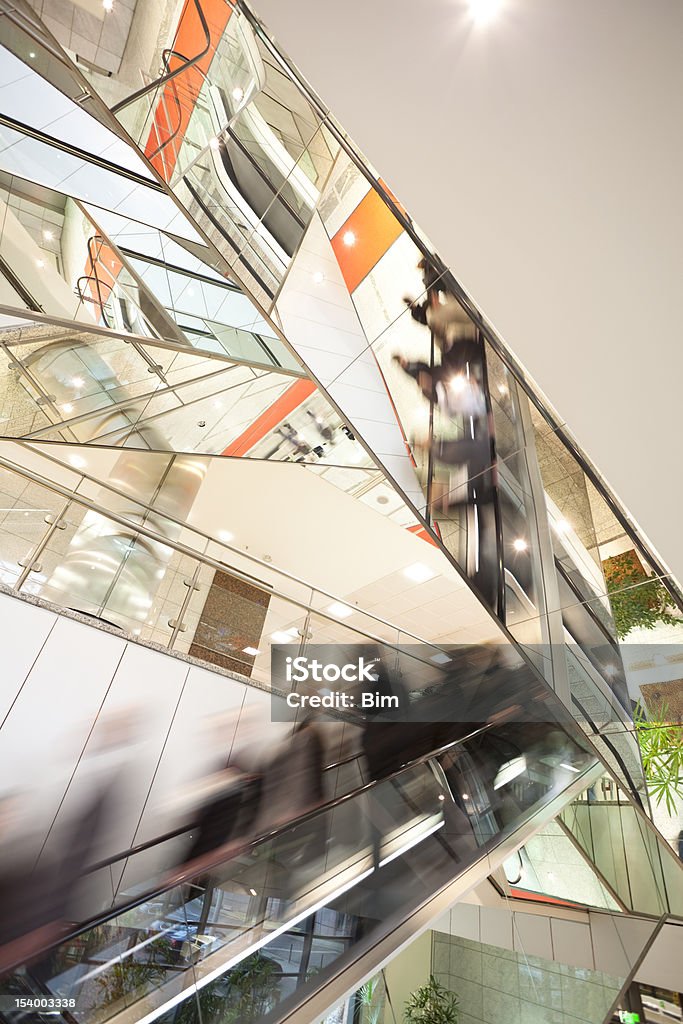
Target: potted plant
{"type": "Point", "coordinates": [661, 748]}
{"type": "Point", "coordinates": [432, 1004]}
{"type": "Point", "coordinates": [637, 600]}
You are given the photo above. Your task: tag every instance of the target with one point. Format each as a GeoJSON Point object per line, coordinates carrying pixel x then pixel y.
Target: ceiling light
{"type": "Point", "coordinates": [32, 54]}
{"type": "Point", "coordinates": [569, 767]}
{"type": "Point", "coordinates": [77, 382]}
{"type": "Point", "coordinates": [551, 876]}
{"type": "Point", "coordinates": [238, 94]}
{"type": "Point", "coordinates": [251, 651]}
{"type": "Point", "coordinates": [519, 544]}
{"type": "Point", "coordinates": [77, 461]}
{"type": "Point", "coordinates": [441, 796]}
{"type": "Point", "coordinates": [40, 264]}
{"type": "Point", "coordinates": [253, 892]}
{"type": "Point", "coordinates": [318, 277]}
{"type": "Point", "coordinates": [48, 235]}
{"type": "Point", "coordinates": [457, 383]}
{"type": "Point", "coordinates": [339, 610]}
{"type": "Point", "coordinates": [502, 390]}
{"type": "Point", "coordinates": [418, 572]}
{"type": "Point", "coordinates": [562, 526]}
{"type": "Point", "coordinates": [280, 636]}
{"type": "Point", "coordinates": [67, 407]}
{"type": "Point", "coordinates": [349, 238]}
{"type": "Point", "coordinates": [215, 142]}
{"type": "Point", "coordinates": [225, 536]}
{"type": "Point", "coordinates": [108, 5]}
{"type": "Point", "coordinates": [484, 11]}
{"type": "Point", "coordinates": [465, 796]}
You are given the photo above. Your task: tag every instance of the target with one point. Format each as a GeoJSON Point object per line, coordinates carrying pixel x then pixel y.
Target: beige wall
{"type": "Point", "coordinates": [405, 973]}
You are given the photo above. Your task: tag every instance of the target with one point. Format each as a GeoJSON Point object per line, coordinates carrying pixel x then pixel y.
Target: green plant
{"type": "Point", "coordinates": [637, 600]}
{"type": "Point", "coordinates": [252, 990]}
{"type": "Point", "coordinates": [661, 748]}
{"type": "Point", "coordinates": [432, 1004]}
{"type": "Point", "coordinates": [371, 998]}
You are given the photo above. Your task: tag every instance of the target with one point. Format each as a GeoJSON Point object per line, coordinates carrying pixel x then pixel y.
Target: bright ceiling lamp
{"type": "Point", "coordinates": [418, 572]}
{"type": "Point", "coordinates": [283, 636]}
{"type": "Point", "coordinates": [339, 610]}
{"type": "Point", "coordinates": [484, 11]}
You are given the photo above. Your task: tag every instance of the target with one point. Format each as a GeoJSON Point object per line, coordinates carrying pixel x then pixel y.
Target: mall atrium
{"type": "Point", "coordinates": [248, 414]}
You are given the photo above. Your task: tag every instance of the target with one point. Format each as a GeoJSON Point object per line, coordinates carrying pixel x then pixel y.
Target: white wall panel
{"type": "Point", "coordinates": [47, 728]}
{"type": "Point", "coordinates": [24, 629]}
{"type": "Point", "coordinates": [531, 934]}
{"type": "Point", "coordinates": [663, 963]}
{"type": "Point", "coordinates": [572, 943]}
{"type": "Point", "coordinates": [322, 325]}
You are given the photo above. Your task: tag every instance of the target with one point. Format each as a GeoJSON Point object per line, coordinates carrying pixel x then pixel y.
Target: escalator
{"type": "Point", "coordinates": [288, 919]}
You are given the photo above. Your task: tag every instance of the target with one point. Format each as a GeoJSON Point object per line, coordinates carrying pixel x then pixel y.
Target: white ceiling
{"type": "Point", "coordinates": [542, 153]}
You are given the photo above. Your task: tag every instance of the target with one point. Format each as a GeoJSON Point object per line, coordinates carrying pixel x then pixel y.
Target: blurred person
{"type": "Point", "coordinates": [32, 910]}
{"type": "Point", "coordinates": [224, 802]}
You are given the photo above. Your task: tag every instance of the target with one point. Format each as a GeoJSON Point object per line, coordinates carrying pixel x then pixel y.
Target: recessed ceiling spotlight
{"type": "Point", "coordinates": [40, 264]}
{"type": "Point", "coordinates": [562, 526]}
{"type": "Point", "coordinates": [280, 637]}
{"type": "Point", "coordinates": [484, 11]}
{"type": "Point", "coordinates": [519, 544]}
{"type": "Point", "coordinates": [48, 235]}
{"type": "Point", "coordinates": [418, 572]}
{"type": "Point", "coordinates": [349, 238]}
{"type": "Point", "coordinates": [108, 5]}
{"type": "Point", "coordinates": [339, 610]}
{"type": "Point", "coordinates": [225, 536]}
{"type": "Point", "coordinates": [238, 94]}
{"type": "Point", "coordinates": [77, 382]}
{"type": "Point", "coordinates": [32, 54]}
{"type": "Point", "coordinates": [77, 461]}
{"type": "Point", "coordinates": [318, 277]}
{"type": "Point", "coordinates": [215, 142]}
{"type": "Point", "coordinates": [67, 407]}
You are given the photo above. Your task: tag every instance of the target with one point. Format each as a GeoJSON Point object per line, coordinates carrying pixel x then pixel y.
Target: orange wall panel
{"type": "Point", "coordinates": [376, 229]}
{"type": "Point", "coordinates": [290, 400]}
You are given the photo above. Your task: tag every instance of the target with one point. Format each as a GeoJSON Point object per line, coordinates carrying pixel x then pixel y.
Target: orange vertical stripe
{"type": "Point", "coordinates": [288, 401]}
{"type": "Point", "coordinates": [176, 100]}
{"type": "Point", "coordinates": [375, 229]}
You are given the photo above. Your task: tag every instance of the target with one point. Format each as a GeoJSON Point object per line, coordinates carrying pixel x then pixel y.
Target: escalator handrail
{"type": "Point", "coordinates": [277, 191]}
{"type": "Point", "coordinates": [170, 75]}
{"type": "Point", "coordinates": [498, 517]}
{"type": "Point", "coordinates": [586, 602]}
{"type": "Point", "coordinates": [216, 858]}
